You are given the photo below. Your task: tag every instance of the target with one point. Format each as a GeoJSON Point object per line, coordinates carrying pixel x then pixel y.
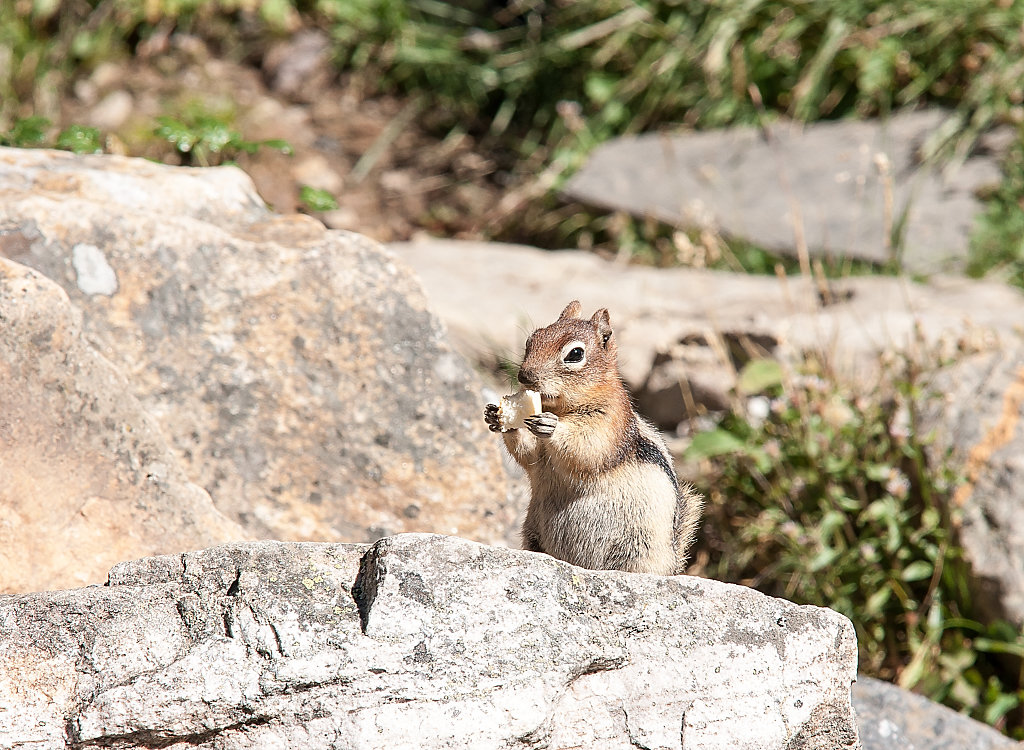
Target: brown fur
{"type": "Point", "coordinates": [604, 494]}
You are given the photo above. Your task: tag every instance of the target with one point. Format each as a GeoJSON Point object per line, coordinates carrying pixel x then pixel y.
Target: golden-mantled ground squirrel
{"type": "Point", "coordinates": [604, 494]}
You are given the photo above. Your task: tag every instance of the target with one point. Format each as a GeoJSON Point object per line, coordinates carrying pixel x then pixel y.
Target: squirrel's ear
{"type": "Point", "coordinates": [572, 310]}
{"type": "Point", "coordinates": [603, 321]}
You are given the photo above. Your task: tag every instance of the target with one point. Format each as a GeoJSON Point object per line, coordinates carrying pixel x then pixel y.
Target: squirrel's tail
{"type": "Point", "coordinates": [689, 508]}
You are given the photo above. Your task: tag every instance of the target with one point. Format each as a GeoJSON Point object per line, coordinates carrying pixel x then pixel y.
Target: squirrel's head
{"type": "Point", "coordinates": [565, 359]}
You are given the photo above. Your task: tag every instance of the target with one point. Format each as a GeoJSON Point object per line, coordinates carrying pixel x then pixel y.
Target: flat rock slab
{"type": "Point", "coordinates": [492, 295]}
{"type": "Point", "coordinates": [893, 719]}
{"type": "Point", "coordinates": [86, 477]}
{"type": "Point", "coordinates": [419, 641]}
{"type": "Point", "coordinates": [840, 185]}
{"type": "Point", "coordinates": [298, 374]}
{"type": "Point", "coordinates": [980, 421]}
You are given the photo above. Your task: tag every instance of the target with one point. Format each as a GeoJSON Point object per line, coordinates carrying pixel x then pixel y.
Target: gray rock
{"type": "Point", "coordinates": [86, 478]}
{"type": "Point", "coordinates": [979, 422]}
{"type": "Point", "coordinates": [491, 295]}
{"type": "Point", "coordinates": [840, 185]}
{"type": "Point", "coordinates": [893, 719]}
{"type": "Point", "coordinates": [426, 642]}
{"type": "Point", "coordinates": [299, 374]}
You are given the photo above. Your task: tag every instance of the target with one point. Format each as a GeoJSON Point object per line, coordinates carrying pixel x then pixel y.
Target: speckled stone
{"type": "Point", "coordinates": [420, 641]}
{"type": "Point", "coordinates": [890, 718]}
{"type": "Point", "coordinates": [298, 373]}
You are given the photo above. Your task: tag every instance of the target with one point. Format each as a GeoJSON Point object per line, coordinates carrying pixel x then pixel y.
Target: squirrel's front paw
{"type": "Point", "coordinates": [543, 424]}
{"type": "Point", "coordinates": [491, 417]}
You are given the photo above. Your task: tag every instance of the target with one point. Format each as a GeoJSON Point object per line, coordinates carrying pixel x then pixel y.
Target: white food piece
{"type": "Point", "coordinates": [515, 408]}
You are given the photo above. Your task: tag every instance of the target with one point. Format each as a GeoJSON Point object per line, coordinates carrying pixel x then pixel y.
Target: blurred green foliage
{"type": "Point", "coordinates": [34, 131]}
{"type": "Point", "coordinates": [833, 498]}
{"type": "Point", "coordinates": [317, 200]}
{"type": "Point", "coordinates": [204, 138]}
{"type": "Point", "coordinates": [632, 66]}
{"type": "Point", "coordinates": [26, 132]}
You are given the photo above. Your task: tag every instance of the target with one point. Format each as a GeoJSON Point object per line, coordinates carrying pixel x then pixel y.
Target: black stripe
{"type": "Point", "coordinates": [648, 452]}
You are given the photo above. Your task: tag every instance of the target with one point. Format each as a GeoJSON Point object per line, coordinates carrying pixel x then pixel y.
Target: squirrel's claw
{"type": "Point", "coordinates": [491, 417]}
{"type": "Point", "coordinates": [543, 424]}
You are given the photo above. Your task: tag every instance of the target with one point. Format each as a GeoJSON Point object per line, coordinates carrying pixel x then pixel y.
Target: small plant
{"type": "Point", "coordinates": [32, 132]}
{"type": "Point", "coordinates": [27, 132]}
{"type": "Point", "coordinates": [317, 200]}
{"type": "Point", "coordinates": [205, 139]}
{"type": "Point", "coordinates": [827, 497]}
{"type": "Point", "coordinates": [80, 139]}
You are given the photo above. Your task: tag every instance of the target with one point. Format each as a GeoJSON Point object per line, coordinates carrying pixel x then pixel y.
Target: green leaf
{"type": "Point", "coordinates": [600, 88]}
{"type": "Point", "coordinates": [993, 646]}
{"type": "Point", "coordinates": [279, 144]}
{"type": "Point", "coordinates": [823, 559]}
{"type": "Point", "coordinates": [876, 601]}
{"type": "Point", "coordinates": [877, 472]}
{"type": "Point", "coordinates": [1000, 706]}
{"type": "Point", "coordinates": [80, 139]}
{"type": "Point", "coordinates": [317, 200]}
{"type": "Point", "coordinates": [758, 375]}
{"type": "Point", "coordinates": [879, 510]}
{"type": "Point", "coordinates": [917, 571]}
{"type": "Point", "coordinates": [177, 133]}
{"type": "Point", "coordinates": [831, 521]}
{"type": "Point", "coordinates": [27, 131]}
{"type": "Point", "coordinates": [714, 443]}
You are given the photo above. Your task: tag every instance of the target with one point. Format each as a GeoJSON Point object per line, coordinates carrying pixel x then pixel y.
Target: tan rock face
{"type": "Point", "coordinates": [297, 373]}
{"type": "Point", "coordinates": [86, 479]}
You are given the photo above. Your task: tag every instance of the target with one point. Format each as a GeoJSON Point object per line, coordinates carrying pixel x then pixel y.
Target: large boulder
{"type": "Point", "coordinates": [86, 478]}
{"type": "Point", "coordinates": [979, 422]}
{"type": "Point", "coordinates": [840, 188]}
{"type": "Point", "coordinates": [419, 641]}
{"type": "Point", "coordinates": [298, 374]}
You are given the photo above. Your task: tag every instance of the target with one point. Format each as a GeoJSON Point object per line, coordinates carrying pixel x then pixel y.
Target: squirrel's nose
{"type": "Point", "coordinates": [527, 377]}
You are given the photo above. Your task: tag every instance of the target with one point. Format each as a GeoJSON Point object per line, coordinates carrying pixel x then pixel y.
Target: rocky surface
{"type": "Point", "coordinates": [979, 421]}
{"type": "Point", "coordinates": [889, 718]}
{"type": "Point", "coordinates": [86, 478]}
{"type": "Point", "coordinates": [704, 324]}
{"type": "Point", "coordinates": [298, 373]}
{"type": "Point", "coordinates": [425, 641]}
{"type": "Point", "coordinates": [839, 187]}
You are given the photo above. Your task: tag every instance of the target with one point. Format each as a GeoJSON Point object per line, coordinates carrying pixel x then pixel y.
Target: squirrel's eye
{"type": "Point", "coordinates": [575, 355]}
